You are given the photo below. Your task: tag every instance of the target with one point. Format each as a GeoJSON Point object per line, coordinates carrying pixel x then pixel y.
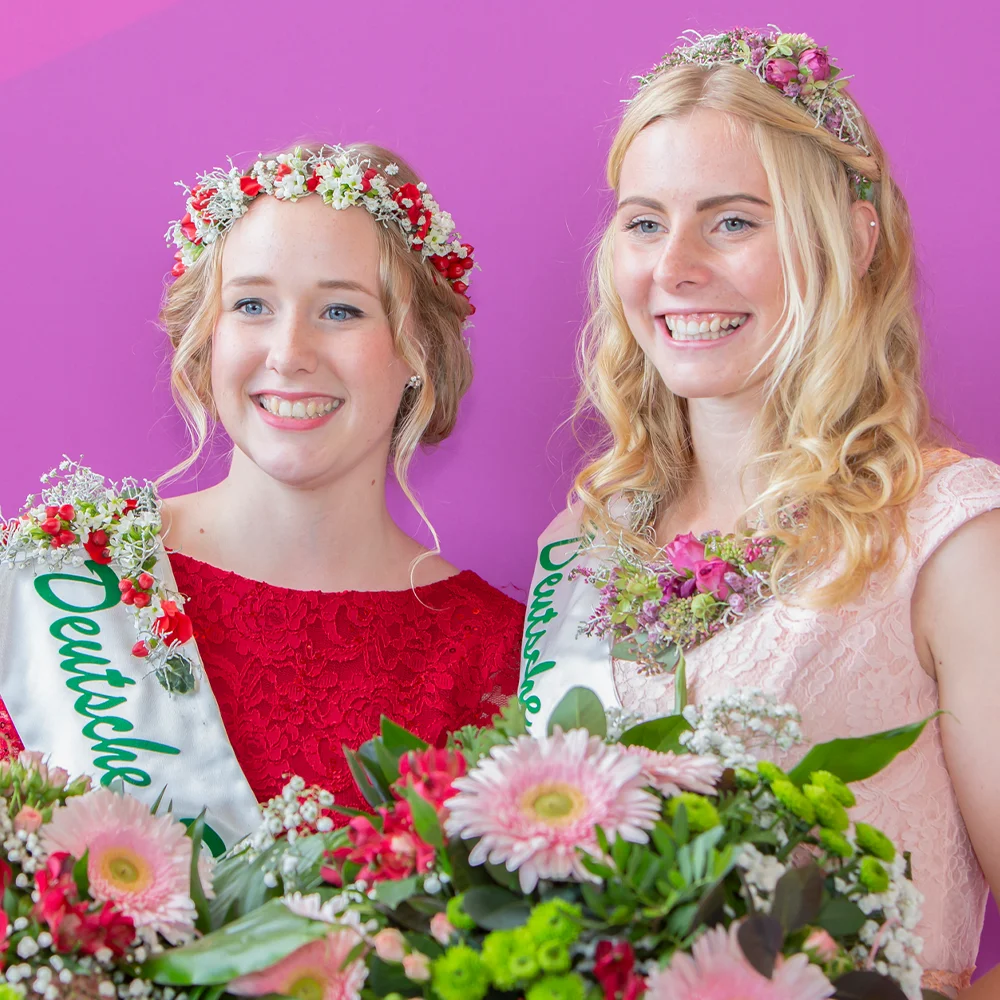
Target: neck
{"type": "Point", "coordinates": [721, 486]}
{"type": "Point", "coordinates": [338, 535]}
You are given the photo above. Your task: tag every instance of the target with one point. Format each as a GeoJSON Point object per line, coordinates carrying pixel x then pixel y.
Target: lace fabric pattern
{"type": "Point", "coordinates": [851, 671]}
{"type": "Point", "coordinates": [299, 674]}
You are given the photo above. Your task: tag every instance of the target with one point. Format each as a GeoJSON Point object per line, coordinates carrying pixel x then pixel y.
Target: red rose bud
{"type": "Point", "coordinates": [816, 63]}
{"type": "Point", "coordinates": [283, 170]}
{"type": "Point", "coordinates": [141, 600]}
{"type": "Point", "coordinates": [145, 581]}
{"type": "Point", "coordinates": [188, 227]}
{"type": "Point", "coordinates": [140, 649]}
{"type": "Point", "coordinates": [779, 72]}
{"type": "Point", "coordinates": [250, 186]}
{"type": "Point", "coordinates": [313, 182]}
{"type": "Point", "coordinates": [51, 511]}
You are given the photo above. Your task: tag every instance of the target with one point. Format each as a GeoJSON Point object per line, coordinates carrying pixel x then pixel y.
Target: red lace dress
{"type": "Point", "coordinates": [299, 673]}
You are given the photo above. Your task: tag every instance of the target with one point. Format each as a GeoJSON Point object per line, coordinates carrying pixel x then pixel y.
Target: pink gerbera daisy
{"type": "Point", "coordinates": [717, 969]}
{"type": "Point", "coordinates": [535, 802]}
{"type": "Point", "coordinates": [670, 773]}
{"type": "Point", "coordinates": [141, 862]}
{"type": "Point", "coordinates": [316, 971]}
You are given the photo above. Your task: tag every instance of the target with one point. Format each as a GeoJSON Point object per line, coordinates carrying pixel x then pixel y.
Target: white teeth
{"type": "Point", "coordinates": [713, 328]}
{"type": "Point", "coordinates": [300, 409]}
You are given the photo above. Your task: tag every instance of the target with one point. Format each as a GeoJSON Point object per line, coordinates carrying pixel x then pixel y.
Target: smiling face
{"type": "Point", "coordinates": [305, 376]}
{"type": "Point", "coordinates": [696, 262]}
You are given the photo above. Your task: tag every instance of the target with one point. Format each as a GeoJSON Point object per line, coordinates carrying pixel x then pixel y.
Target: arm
{"type": "Point", "coordinates": [956, 626]}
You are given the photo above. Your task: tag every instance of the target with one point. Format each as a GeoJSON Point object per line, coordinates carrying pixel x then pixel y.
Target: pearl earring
{"type": "Point", "coordinates": [414, 382]}
{"type": "Point", "coordinates": [872, 223]}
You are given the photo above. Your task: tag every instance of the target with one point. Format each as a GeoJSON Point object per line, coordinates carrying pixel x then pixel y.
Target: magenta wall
{"type": "Point", "coordinates": [507, 108]}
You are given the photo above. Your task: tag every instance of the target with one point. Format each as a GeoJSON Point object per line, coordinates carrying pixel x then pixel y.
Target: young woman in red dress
{"type": "Point", "coordinates": [327, 348]}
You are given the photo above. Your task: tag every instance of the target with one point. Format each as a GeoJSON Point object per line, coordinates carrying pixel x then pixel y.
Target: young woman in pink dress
{"type": "Point", "coordinates": [754, 354]}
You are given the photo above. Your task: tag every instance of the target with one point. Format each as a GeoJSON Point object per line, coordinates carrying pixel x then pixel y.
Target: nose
{"type": "Point", "coordinates": [292, 348]}
{"type": "Point", "coordinates": [683, 262]}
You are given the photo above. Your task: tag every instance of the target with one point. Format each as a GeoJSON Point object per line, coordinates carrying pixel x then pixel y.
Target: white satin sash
{"type": "Point", "coordinates": [75, 691]}
{"type": "Point", "coordinates": [554, 657]}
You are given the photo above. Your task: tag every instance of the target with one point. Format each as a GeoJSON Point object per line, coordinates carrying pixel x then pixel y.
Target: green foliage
{"type": "Point", "coordinates": [579, 708]}
{"type": "Point", "coordinates": [658, 734]}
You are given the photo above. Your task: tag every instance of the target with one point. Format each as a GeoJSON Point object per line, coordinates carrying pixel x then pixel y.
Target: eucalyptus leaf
{"type": "Point", "coordinates": [392, 892]}
{"type": "Point", "coordinates": [867, 986]}
{"type": "Point", "coordinates": [858, 758]}
{"type": "Point", "coordinates": [761, 939]}
{"type": "Point", "coordinates": [798, 897]}
{"type": "Point", "coordinates": [494, 908]}
{"type": "Point", "coordinates": [252, 943]}
{"type": "Point", "coordinates": [658, 734]}
{"type": "Point", "coordinates": [840, 917]}
{"type": "Point", "coordinates": [580, 708]}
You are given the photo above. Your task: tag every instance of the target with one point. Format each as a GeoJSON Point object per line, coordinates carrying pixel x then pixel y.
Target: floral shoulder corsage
{"type": "Point", "coordinates": [79, 517]}
{"type": "Point", "coordinates": [655, 612]}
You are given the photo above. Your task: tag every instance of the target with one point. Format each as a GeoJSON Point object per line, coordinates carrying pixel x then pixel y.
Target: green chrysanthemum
{"type": "Point", "coordinates": [873, 876]}
{"type": "Point", "coordinates": [459, 974]}
{"type": "Point", "coordinates": [555, 920]}
{"type": "Point", "coordinates": [457, 916]}
{"type": "Point", "coordinates": [874, 842]}
{"type": "Point", "coordinates": [523, 961]}
{"type": "Point", "coordinates": [770, 772]}
{"type": "Point", "coordinates": [829, 811]}
{"type": "Point", "coordinates": [701, 814]}
{"type": "Point", "coordinates": [746, 778]}
{"type": "Point", "coordinates": [834, 786]}
{"type": "Point", "coordinates": [8, 991]}
{"type": "Point", "coordinates": [498, 947]}
{"type": "Point", "coordinates": [794, 801]}
{"type": "Point", "coordinates": [836, 843]}
{"type": "Point", "coordinates": [567, 987]}
{"type": "Point", "coordinates": [552, 957]}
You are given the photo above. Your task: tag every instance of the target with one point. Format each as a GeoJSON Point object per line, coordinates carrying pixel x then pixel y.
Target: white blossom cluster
{"type": "Point", "coordinates": [890, 943]}
{"type": "Point", "coordinates": [732, 725]}
{"type": "Point", "coordinates": [760, 873]}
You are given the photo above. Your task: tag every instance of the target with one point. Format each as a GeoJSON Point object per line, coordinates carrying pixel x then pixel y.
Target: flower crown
{"type": "Point", "coordinates": [794, 65]}
{"type": "Point", "coordinates": [343, 179]}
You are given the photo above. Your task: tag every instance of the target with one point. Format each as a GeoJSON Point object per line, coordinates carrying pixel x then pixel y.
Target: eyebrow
{"type": "Point", "coordinates": [703, 206]}
{"type": "Point", "coordinates": [331, 283]}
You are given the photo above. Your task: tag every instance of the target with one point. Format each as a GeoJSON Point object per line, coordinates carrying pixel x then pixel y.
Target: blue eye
{"type": "Point", "coordinates": [645, 226]}
{"type": "Point", "coordinates": [250, 307]}
{"type": "Point", "coordinates": [734, 224]}
{"type": "Point", "coordinates": [340, 313]}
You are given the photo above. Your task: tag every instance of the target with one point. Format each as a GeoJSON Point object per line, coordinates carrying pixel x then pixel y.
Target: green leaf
{"type": "Point", "coordinates": [393, 892]}
{"type": "Point", "coordinates": [80, 876]}
{"type": "Point", "coordinates": [580, 708]}
{"type": "Point", "coordinates": [858, 758]}
{"type": "Point", "coordinates": [625, 651]}
{"type": "Point", "coordinates": [425, 817]}
{"type": "Point", "coordinates": [494, 908]}
{"type": "Point", "coordinates": [840, 917]}
{"type": "Point", "coordinates": [658, 734]}
{"type": "Point", "coordinates": [196, 831]}
{"type": "Point", "coordinates": [500, 875]}
{"type": "Point", "coordinates": [249, 944]}
{"type": "Point", "coordinates": [867, 986]}
{"type": "Point", "coordinates": [798, 897]}
{"type": "Point", "coordinates": [761, 939]}
{"type": "Point", "coordinates": [398, 739]}
{"type": "Point", "coordinates": [385, 978]}
{"type": "Point", "coordinates": [388, 762]}
{"type": "Point", "coordinates": [368, 756]}
{"type": "Point", "coordinates": [681, 828]}
{"type": "Point", "coordinates": [372, 794]}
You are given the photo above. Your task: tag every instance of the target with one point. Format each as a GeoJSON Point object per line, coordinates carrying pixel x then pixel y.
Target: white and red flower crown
{"type": "Point", "coordinates": [343, 180]}
{"type": "Point", "coordinates": [793, 64]}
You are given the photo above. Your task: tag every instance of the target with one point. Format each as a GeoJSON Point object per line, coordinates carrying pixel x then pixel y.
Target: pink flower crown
{"type": "Point", "coordinates": [794, 65]}
{"type": "Point", "coordinates": [343, 180]}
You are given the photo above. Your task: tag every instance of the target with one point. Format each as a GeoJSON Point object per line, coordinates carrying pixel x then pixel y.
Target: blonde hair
{"type": "Point", "coordinates": [840, 435]}
{"type": "Point", "coordinates": [425, 317]}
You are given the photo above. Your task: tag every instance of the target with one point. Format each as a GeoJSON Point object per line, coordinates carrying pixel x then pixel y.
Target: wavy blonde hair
{"type": "Point", "coordinates": [425, 317]}
{"type": "Point", "coordinates": [844, 422]}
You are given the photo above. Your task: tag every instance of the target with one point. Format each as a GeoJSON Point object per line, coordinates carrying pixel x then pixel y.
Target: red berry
{"type": "Point", "coordinates": [128, 597]}
{"type": "Point", "coordinates": [468, 263]}
{"type": "Point", "coordinates": [460, 287]}
{"type": "Point", "coordinates": [140, 649]}
{"type": "Point", "coordinates": [124, 585]}
{"type": "Point", "coordinates": [51, 511]}
{"type": "Point", "coordinates": [145, 581]}
{"type": "Point", "coordinates": [455, 270]}
{"type": "Point", "coordinates": [66, 512]}
{"type": "Point", "coordinates": [66, 537]}
{"type": "Point", "coordinates": [141, 600]}
{"type": "Point", "coordinates": [51, 526]}
{"type": "Point", "coordinates": [99, 537]}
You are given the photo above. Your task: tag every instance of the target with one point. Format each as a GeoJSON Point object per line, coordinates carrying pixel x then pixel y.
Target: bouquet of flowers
{"type": "Point", "coordinates": [603, 861]}
{"type": "Point", "coordinates": [94, 883]}
{"type": "Point", "coordinates": [654, 612]}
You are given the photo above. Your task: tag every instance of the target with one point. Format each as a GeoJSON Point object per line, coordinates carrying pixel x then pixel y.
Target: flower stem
{"type": "Point", "coordinates": [680, 685]}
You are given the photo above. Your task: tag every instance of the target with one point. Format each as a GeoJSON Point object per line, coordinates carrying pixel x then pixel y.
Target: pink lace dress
{"type": "Point", "coordinates": [851, 671]}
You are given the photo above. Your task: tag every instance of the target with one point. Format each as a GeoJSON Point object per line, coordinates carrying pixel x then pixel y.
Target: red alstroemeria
{"type": "Point", "coordinates": [188, 228]}
{"type": "Point", "coordinates": [392, 853]}
{"type": "Point", "coordinates": [97, 547]}
{"type": "Point", "coordinates": [173, 626]}
{"type": "Point", "coordinates": [107, 928]}
{"type": "Point", "coordinates": [200, 197]}
{"type": "Point", "coordinates": [431, 773]}
{"type": "Point", "coordinates": [366, 179]}
{"type": "Point", "coordinates": [250, 186]}
{"type": "Point", "coordinates": [614, 969]}
{"type": "Point", "coordinates": [283, 171]}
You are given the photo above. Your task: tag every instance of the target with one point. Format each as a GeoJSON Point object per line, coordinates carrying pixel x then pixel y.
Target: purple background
{"type": "Point", "coordinates": [507, 109]}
